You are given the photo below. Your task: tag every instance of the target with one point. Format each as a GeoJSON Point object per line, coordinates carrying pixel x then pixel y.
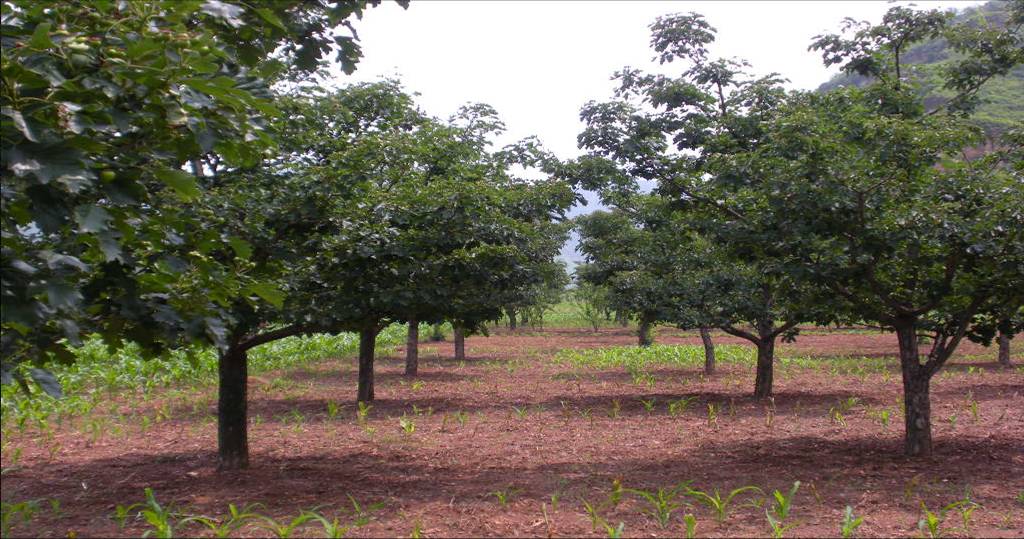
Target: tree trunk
{"type": "Point", "coordinates": [436, 335]}
{"type": "Point", "coordinates": [765, 368]}
{"type": "Point", "coordinates": [512, 319]}
{"type": "Point", "coordinates": [644, 333]}
{"type": "Point", "coordinates": [412, 348]}
{"type": "Point", "coordinates": [460, 343]}
{"type": "Point", "coordinates": [232, 439]}
{"type": "Point", "coordinates": [917, 441]}
{"type": "Point", "coordinates": [709, 351]}
{"type": "Point", "coordinates": [1004, 349]}
{"type": "Point", "coordinates": [367, 340]}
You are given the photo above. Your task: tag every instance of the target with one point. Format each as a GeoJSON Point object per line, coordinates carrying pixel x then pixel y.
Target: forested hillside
{"type": "Point", "coordinates": [1001, 105]}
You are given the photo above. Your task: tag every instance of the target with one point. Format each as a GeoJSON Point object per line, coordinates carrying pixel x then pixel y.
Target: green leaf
{"type": "Point", "coordinates": [183, 183]}
{"type": "Point", "coordinates": [241, 247]}
{"type": "Point", "coordinates": [229, 13]}
{"type": "Point", "coordinates": [91, 218]}
{"type": "Point", "coordinates": [19, 122]}
{"type": "Point", "coordinates": [41, 37]}
{"type": "Point", "coordinates": [47, 381]}
{"type": "Point", "coordinates": [269, 292]}
{"type": "Point", "coordinates": [271, 18]}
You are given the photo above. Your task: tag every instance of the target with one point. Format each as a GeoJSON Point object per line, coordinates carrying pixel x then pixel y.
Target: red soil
{"type": "Point", "coordinates": [441, 478]}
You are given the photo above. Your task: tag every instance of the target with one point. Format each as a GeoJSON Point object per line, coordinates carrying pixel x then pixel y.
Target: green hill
{"type": "Point", "coordinates": [1002, 98]}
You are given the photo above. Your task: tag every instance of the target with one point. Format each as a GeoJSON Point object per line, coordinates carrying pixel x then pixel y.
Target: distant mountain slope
{"type": "Point", "coordinates": [1002, 98]}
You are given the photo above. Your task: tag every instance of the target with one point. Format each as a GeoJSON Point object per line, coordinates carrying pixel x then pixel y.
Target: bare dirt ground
{"type": "Point", "coordinates": [509, 423]}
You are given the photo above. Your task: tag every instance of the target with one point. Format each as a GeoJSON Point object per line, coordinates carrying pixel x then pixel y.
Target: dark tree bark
{"type": "Point", "coordinates": [916, 397]}
{"type": "Point", "coordinates": [367, 341]}
{"type": "Point", "coordinates": [460, 342]}
{"type": "Point", "coordinates": [233, 373]}
{"type": "Point", "coordinates": [643, 333]}
{"type": "Point", "coordinates": [412, 348]}
{"type": "Point", "coordinates": [1004, 349]}
{"type": "Point", "coordinates": [436, 335]}
{"type": "Point", "coordinates": [512, 322]}
{"type": "Point", "coordinates": [765, 368]}
{"type": "Point", "coordinates": [709, 351]}
{"type": "Point", "coordinates": [232, 439]}
{"type": "Point", "coordinates": [764, 340]}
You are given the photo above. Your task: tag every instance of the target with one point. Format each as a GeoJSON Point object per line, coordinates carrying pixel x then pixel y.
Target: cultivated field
{"type": "Point", "coordinates": [553, 432]}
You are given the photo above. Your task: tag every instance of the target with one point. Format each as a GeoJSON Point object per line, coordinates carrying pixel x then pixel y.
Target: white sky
{"type": "Point", "coordinates": [538, 62]}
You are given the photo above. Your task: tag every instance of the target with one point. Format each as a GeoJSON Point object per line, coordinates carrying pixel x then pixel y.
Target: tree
{"type": "Point", "coordinates": [103, 104]}
{"type": "Point", "coordinates": [675, 132]}
{"type": "Point", "coordinates": [879, 206]}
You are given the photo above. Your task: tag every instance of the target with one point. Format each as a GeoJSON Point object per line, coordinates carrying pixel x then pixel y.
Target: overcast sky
{"type": "Point", "coordinates": [537, 62]}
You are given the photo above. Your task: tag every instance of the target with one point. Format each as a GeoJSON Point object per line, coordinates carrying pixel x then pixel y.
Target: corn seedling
{"type": "Point", "coordinates": [648, 404]}
{"type": "Point", "coordinates": [461, 417]}
{"type": "Point", "coordinates": [158, 517]}
{"type": "Point", "coordinates": [778, 527]}
{"type": "Point", "coordinates": [713, 409]}
{"type": "Point", "coordinates": [662, 503]}
{"type": "Point", "coordinates": [784, 502]}
{"type": "Point", "coordinates": [283, 529]}
{"type": "Point", "coordinates": [769, 413]}
{"type": "Point", "coordinates": [408, 425]}
{"type": "Point", "coordinates": [615, 496]}
{"type": "Point", "coordinates": [505, 496]}
{"type": "Point", "coordinates": [417, 530]}
{"type": "Point", "coordinates": [363, 412]}
{"type": "Point", "coordinates": [690, 522]}
{"type": "Point", "coordinates": [616, 408]}
{"type": "Point", "coordinates": [952, 421]}
{"type": "Point", "coordinates": [12, 513]}
{"type": "Point", "coordinates": [521, 412]}
{"type": "Point", "coordinates": [362, 516]}
{"type": "Point", "coordinates": [836, 416]}
{"type": "Point", "coordinates": [931, 523]}
{"type": "Point", "coordinates": [678, 407]}
{"type": "Point", "coordinates": [332, 409]}
{"type": "Point", "coordinates": [417, 385]}
{"type": "Point", "coordinates": [718, 504]}
{"type": "Point", "coordinates": [848, 527]}
{"type": "Point", "coordinates": [227, 526]}
{"type": "Point", "coordinates": [615, 532]}
{"type": "Point", "coordinates": [332, 528]}
{"type": "Point", "coordinates": [592, 512]}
